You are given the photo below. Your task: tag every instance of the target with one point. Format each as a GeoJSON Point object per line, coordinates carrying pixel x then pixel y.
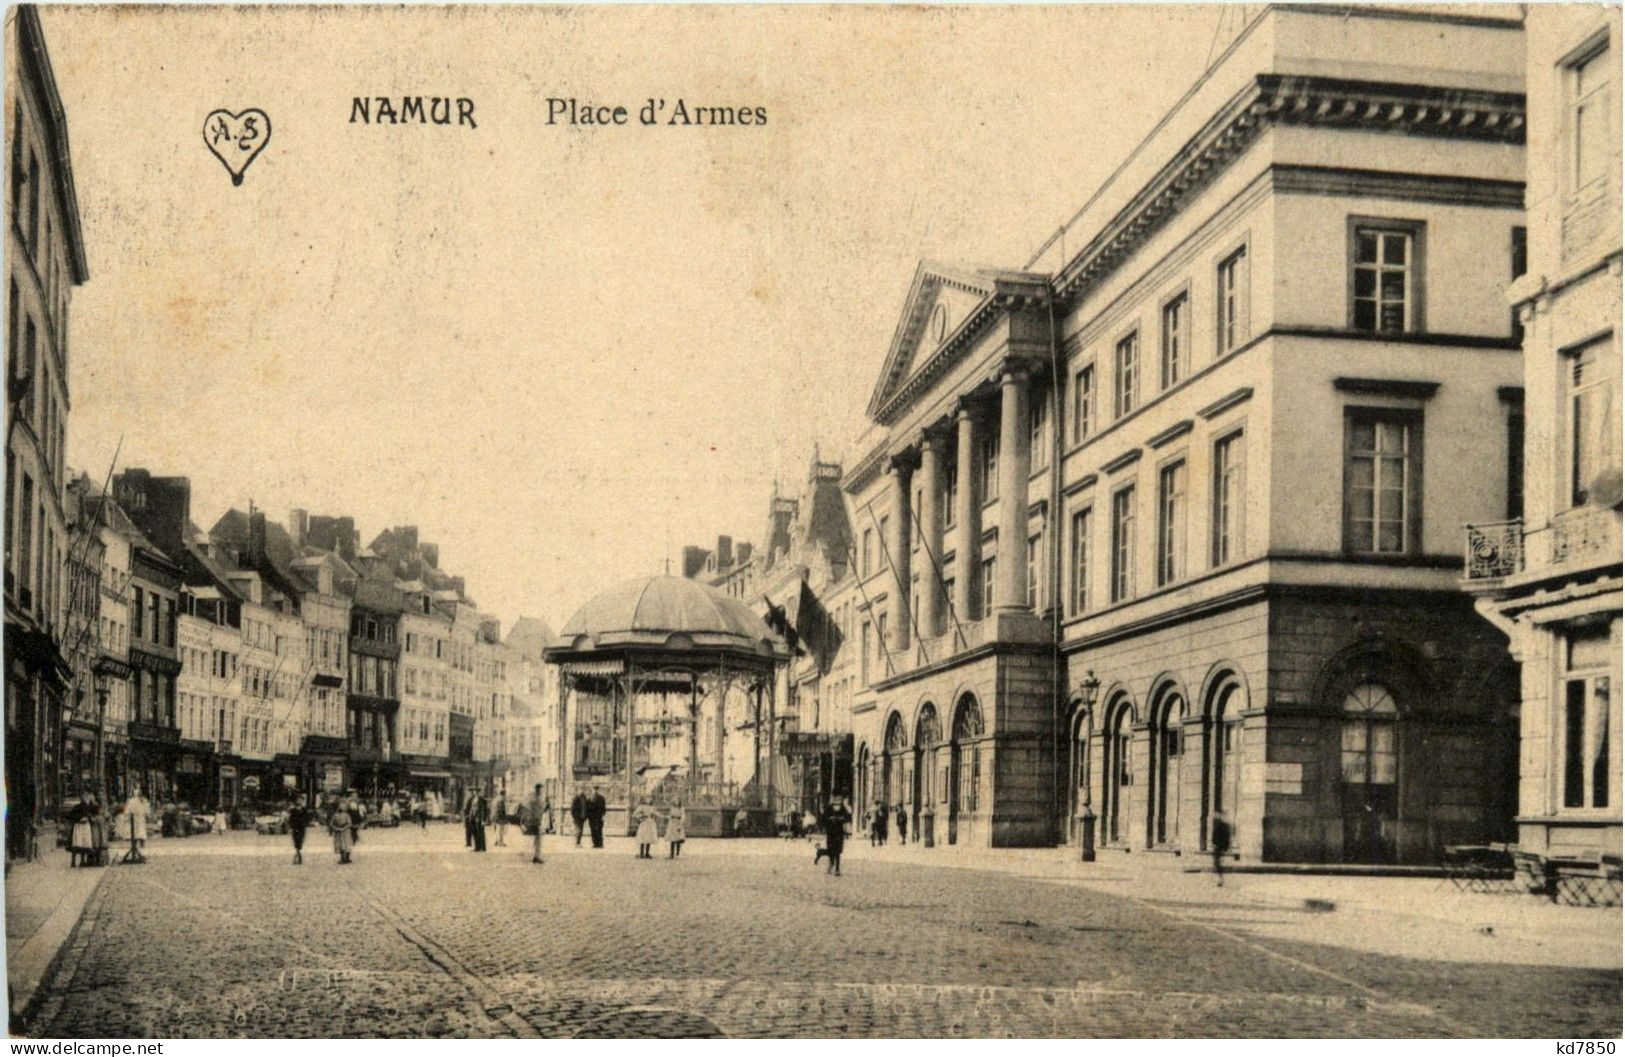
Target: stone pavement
{"type": "Point", "coordinates": [223, 937]}
{"type": "Point", "coordinates": [44, 900]}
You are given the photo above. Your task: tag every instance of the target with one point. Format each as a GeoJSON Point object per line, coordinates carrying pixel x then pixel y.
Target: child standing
{"type": "Point", "coordinates": [645, 817]}
{"type": "Point", "coordinates": [676, 831]}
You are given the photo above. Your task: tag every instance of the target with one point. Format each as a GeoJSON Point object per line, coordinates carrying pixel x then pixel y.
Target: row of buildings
{"type": "Point", "coordinates": [1284, 484]}
{"type": "Point", "coordinates": [251, 663]}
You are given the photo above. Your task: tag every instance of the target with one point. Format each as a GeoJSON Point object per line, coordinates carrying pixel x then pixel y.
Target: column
{"type": "Point", "coordinates": [1015, 464]}
{"type": "Point", "coordinates": [968, 517]}
{"type": "Point", "coordinates": [931, 533]}
{"type": "Point", "coordinates": [902, 471]}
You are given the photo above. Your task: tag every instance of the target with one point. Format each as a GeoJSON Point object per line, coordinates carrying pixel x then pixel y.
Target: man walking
{"type": "Point", "coordinates": [596, 808]}
{"type": "Point", "coordinates": [298, 823]}
{"type": "Point", "coordinates": [578, 813]}
{"type": "Point", "coordinates": [537, 806]}
{"type": "Point", "coordinates": [502, 820]}
{"type": "Point", "coordinates": [478, 815]}
{"type": "Point", "coordinates": [1221, 843]}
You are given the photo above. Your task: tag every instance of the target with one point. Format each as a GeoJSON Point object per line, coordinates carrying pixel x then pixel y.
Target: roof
{"type": "Point", "coordinates": [667, 613]}
{"type": "Point", "coordinates": [531, 636]}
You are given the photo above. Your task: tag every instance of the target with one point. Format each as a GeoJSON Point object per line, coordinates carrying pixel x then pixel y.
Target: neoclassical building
{"type": "Point", "coordinates": [1166, 527]}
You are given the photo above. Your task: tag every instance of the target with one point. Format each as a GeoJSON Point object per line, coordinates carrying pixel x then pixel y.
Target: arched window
{"type": "Point", "coordinates": [1116, 777]}
{"type": "Point", "coordinates": [1370, 756]}
{"type": "Point", "coordinates": [1167, 748]}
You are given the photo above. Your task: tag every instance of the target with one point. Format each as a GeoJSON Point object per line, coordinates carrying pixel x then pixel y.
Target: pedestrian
{"type": "Point", "coordinates": [837, 816]}
{"type": "Point", "coordinates": [547, 809]}
{"type": "Point", "coordinates": [479, 813]}
{"type": "Point", "coordinates": [881, 818]}
{"type": "Point", "coordinates": [902, 825]}
{"type": "Point", "coordinates": [647, 834]}
{"type": "Point", "coordinates": [1221, 844]}
{"type": "Point", "coordinates": [219, 823]}
{"type": "Point", "coordinates": [502, 820]}
{"type": "Point", "coordinates": [338, 823]}
{"type": "Point", "coordinates": [298, 823]}
{"type": "Point", "coordinates": [82, 836]}
{"type": "Point", "coordinates": [353, 808]}
{"type": "Point", "coordinates": [676, 830]}
{"type": "Point", "coordinates": [596, 808]}
{"type": "Point", "coordinates": [134, 825]}
{"type": "Point", "coordinates": [578, 814]}
{"type": "Point", "coordinates": [538, 805]}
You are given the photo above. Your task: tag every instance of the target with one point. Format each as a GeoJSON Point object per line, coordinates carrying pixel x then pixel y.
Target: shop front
{"type": "Point", "coordinates": [322, 766]}
{"type": "Point", "coordinates": [820, 766]}
{"type": "Point", "coordinates": [153, 749]}
{"type": "Point", "coordinates": [193, 765]}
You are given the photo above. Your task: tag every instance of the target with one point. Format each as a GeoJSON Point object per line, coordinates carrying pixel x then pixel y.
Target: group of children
{"type": "Point", "coordinates": [646, 816]}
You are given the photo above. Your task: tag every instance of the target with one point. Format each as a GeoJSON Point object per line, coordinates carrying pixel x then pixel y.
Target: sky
{"type": "Point", "coordinates": [562, 352]}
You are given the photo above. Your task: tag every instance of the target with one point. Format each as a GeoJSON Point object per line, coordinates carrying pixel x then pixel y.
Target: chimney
{"type": "Point", "coordinates": [693, 561]}
{"type": "Point", "coordinates": [744, 553]}
{"type": "Point", "coordinates": [298, 526]}
{"type": "Point", "coordinates": [256, 539]}
{"type": "Point", "coordinates": [431, 553]}
{"type": "Point", "coordinates": [725, 552]}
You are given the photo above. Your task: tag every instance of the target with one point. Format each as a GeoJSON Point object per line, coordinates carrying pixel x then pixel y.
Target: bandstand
{"type": "Point", "coordinates": [660, 679]}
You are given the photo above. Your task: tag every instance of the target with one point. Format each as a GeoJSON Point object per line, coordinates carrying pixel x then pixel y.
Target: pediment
{"type": "Point", "coordinates": [944, 302]}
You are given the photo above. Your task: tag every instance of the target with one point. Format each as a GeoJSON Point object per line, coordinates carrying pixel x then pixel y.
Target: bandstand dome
{"type": "Point", "coordinates": [668, 614]}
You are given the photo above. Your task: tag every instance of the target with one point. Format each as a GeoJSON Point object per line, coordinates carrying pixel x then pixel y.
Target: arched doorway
{"type": "Point", "coordinates": [1370, 773]}
{"type": "Point", "coordinates": [1167, 754]}
{"type": "Point", "coordinates": [1079, 731]}
{"type": "Point", "coordinates": [891, 762]}
{"type": "Point", "coordinates": [927, 737]}
{"type": "Point", "coordinates": [1116, 778]}
{"type": "Point", "coordinates": [1222, 756]}
{"type": "Point", "coordinates": [964, 764]}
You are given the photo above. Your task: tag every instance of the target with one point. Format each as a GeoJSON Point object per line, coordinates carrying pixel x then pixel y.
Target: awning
{"type": "Point", "coordinates": [425, 772]}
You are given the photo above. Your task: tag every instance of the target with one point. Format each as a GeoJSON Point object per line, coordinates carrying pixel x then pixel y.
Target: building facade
{"type": "Point", "coordinates": [45, 261]}
{"type": "Point", "coordinates": [1549, 574]}
{"type": "Point", "coordinates": [1105, 578]}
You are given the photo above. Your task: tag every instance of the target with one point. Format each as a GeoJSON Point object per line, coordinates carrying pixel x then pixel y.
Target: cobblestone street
{"type": "Point", "coordinates": [221, 936]}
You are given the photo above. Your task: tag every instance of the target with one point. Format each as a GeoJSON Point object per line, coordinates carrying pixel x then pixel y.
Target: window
{"type": "Point", "coordinates": [1123, 544]}
{"type": "Point", "coordinates": [950, 493]}
{"type": "Point", "coordinates": [1585, 736]}
{"type": "Point", "coordinates": [1232, 301]}
{"type": "Point", "coordinates": [1175, 340]}
{"type": "Point", "coordinates": [1228, 498]}
{"type": "Point", "coordinates": [1519, 255]}
{"type": "Point", "coordinates": [1380, 482]}
{"type": "Point", "coordinates": [33, 204]}
{"type": "Point", "coordinates": [868, 552]}
{"type": "Point", "coordinates": [1083, 403]}
{"type": "Point", "coordinates": [1370, 756]}
{"type": "Point", "coordinates": [30, 339]}
{"type": "Point", "coordinates": [1593, 431]}
{"type": "Point", "coordinates": [1588, 119]}
{"type": "Point", "coordinates": [1170, 523]}
{"type": "Point", "coordinates": [1082, 526]}
{"type": "Point", "coordinates": [25, 544]}
{"type": "Point", "coordinates": [1387, 289]}
{"type": "Point", "coordinates": [881, 640]}
{"type": "Point", "coordinates": [169, 622]}
{"type": "Point", "coordinates": [989, 573]}
{"type": "Point", "coordinates": [990, 467]}
{"type": "Point", "coordinates": [1038, 422]}
{"type": "Point", "coordinates": [868, 632]}
{"type": "Point", "coordinates": [885, 535]}
{"type": "Point", "coordinates": [1128, 373]}
{"type": "Point", "coordinates": [1035, 563]}
{"type": "Point", "coordinates": [154, 626]}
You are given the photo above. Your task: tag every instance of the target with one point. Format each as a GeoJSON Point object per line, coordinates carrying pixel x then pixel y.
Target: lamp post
{"type": "Point", "coordinates": [1088, 690]}
{"type": "Point", "coordinates": [101, 738]}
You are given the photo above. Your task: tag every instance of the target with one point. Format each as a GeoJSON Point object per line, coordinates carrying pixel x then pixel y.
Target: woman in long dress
{"type": "Point", "coordinates": [339, 822]}
{"type": "Point", "coordinates": [133, 825]}
{"type": "Point", "coordinates": [82, 837]}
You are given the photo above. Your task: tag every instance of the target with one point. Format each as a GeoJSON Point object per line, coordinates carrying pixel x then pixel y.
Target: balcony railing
{"type": "Point", "coordinates": [1494, 550]}
{"type": "Point", "coordinates": [1576, 538]}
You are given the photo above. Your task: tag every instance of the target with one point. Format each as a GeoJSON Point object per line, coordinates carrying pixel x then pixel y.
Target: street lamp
{"type": "Point", "coordinates": [1088, 691]}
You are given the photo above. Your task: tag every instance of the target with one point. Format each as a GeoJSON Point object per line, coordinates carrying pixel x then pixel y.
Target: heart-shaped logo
{"type": "Point", "coordinates": [237, 139]}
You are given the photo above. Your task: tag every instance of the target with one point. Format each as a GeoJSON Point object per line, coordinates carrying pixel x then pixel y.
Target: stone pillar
{"type": "Point", "coordinates": [902, 472]}
{"type": "Point", "coordinates": [1015, 465]}
{"type": "Point", "coordinates": [931, 533]}
{"type": "Point", "coordinates": [968, 518]}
